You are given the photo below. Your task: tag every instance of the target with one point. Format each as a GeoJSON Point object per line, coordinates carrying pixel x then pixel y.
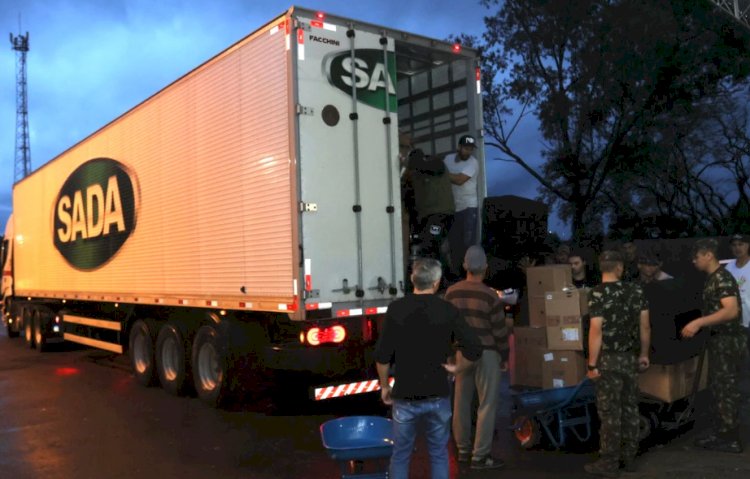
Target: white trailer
{"type": "Point", "coordinates": [248, 215]}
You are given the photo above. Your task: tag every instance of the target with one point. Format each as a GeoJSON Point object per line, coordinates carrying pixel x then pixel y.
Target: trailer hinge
{"type": "Point", "coordinates": [305, 110]}
{"type": "Point", "coordinates": [308, 207]}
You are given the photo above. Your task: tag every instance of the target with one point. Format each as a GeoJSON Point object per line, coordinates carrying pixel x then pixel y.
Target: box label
{"type": "Point", "coordinates": [570, 334]}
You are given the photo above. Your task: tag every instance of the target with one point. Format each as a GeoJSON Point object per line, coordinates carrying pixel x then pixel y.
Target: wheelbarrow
{"type": "Point", "coordinates": [356, 442]}
{"type": "Point", "coordinates": [554, 415]}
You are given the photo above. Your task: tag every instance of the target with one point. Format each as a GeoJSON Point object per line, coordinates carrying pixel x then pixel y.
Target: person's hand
{"type": "Point", "coordinates": [526, 262]}
{"type": "Point", "coordinates": [504, 366]}
{"type": "Point", "coordinates": [451, 368]}
{"type": "Point", "coordinates": [692, 328]}
{"type": "Point", "coordinates": [643, 363]}
{"type": "Point", "coordinates": [385, 395]}
{"type": "Point", "coordinates": [593, 375]}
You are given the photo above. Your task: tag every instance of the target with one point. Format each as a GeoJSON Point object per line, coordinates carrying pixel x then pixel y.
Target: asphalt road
{"type": "Point", "coordinates": [78, 413]}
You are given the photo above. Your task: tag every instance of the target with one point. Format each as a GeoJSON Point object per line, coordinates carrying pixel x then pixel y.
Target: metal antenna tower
{"type": "Point", "coordinates": [23, 150]}
{"type": "Point", "coordinates": [739, 9]}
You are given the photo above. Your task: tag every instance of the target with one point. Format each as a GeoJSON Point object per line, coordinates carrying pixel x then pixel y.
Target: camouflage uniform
{"type": "Point", "coordinates": [726, 348]}
{"type": "Point", "coordinates": [620, 305]}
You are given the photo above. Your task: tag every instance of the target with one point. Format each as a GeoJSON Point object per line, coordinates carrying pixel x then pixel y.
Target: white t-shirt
{"type": "Point", "coordinates": [464, 196]}
{"type": "Point", "coordinates": [742, 275]}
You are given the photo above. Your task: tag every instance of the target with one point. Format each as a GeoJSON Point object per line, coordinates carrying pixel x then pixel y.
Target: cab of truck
{"type": "Point", "coordinates": [6, 258]}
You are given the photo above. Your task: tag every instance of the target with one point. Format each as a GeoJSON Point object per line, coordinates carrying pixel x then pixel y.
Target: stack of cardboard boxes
{"type": "Point", "coordinates": [549, 352]}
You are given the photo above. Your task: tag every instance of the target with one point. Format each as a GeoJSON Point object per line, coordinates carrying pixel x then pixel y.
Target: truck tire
{"type": "Point", "coordinates": [12, 333]}
{"type": "Point", "coordinates": [28, 328]}
{"type": "Point", "coordinates": [172, 360]}
{"type": "Point", "coordinates": [141, 352]}
{"type": "Point", "coordinates": [39, 338]}
{"type": "Point", "coordinates": [209, 367]}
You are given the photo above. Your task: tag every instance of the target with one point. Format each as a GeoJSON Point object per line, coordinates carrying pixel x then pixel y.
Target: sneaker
{"type": "Point", "coordinates": [601, 468]}
{"type": "Point", "coordinates": [487, 463]}
{"type": "Point", "coordinates": [464, 457]}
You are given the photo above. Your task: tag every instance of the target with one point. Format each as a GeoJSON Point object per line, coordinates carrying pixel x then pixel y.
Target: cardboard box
{"type": "Point", "coordinates": [530, 337]}
{"type": "Point", "coordinates": [563, 368]}
{"type": "Point", "coordinates": [528, 367]}
{"type": "Point", "coordinates": [670, 382]}
{"type": "Point", "coordinates": [565, 307]}
{"type": "Point", "coordinates": [566, 337]}
{"type": "Point", "coordinates": [543, 279]}
{"type": "Point", "coordinates": [537, 312]}
{"type": "Point", "coordinates": [529, 348]}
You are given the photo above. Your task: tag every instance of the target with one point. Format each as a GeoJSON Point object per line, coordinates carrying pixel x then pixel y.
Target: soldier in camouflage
{"type": "Point", "coordinates": [722, 311]}
{"type": "Point", "coordinates": [619, 343]}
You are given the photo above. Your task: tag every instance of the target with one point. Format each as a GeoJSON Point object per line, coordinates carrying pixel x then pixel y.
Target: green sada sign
{"type": "Point", "coordinates": [94, 213]}
{"type": "Point", "coordinates": [368, 73]}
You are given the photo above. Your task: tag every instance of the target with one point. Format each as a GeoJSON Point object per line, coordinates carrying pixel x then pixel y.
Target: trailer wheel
{"type": "Point", "coordinates": [11, 332]}
{"type": "Point", "coordinates": [209, 369]}
{"type": "Point", "coordinates": [39, 338]}
{"type": "Point", "coordinates": [28, 328]}
{"type": "Point", "coordinates": [171, 360]}
{"type": "Point", "coordinates": [529, 434]}
{"type": "Point", "coordinates": [141, 349]}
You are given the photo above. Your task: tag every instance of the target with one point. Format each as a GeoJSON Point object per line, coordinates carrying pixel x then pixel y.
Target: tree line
{"type": "Point", "coordinates": [642, 107]}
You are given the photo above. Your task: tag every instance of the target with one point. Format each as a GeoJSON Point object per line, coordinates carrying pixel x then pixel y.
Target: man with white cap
{"type": "Point", "coordinates": [463, 169]}
{"type": "Point", "coordinates": [740, 269]}
{"type": "Point", "coordinates": [483, 311]}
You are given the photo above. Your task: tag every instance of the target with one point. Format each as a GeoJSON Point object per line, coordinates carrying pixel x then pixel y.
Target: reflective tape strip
{"type": "Point", "coordinates": [308, 274]}
{"type": "Point", "coordinates": [329, 26]}
{"type": "Point", "coordinates": [349, 389]}
{"type": "Point", "coordinates": [182, 301]}
{"type": "Point", "coordinates": [282, 307]}
{"type": "Point", "coordinates": [355, 312]}
{"type": "Point", "coordinates": [212, 303]}
{"type": "Point", "coordinates": [246, 305]}
{"type": "Point", "coordinates": [378, 310]}
{"type": "Point", "coordinates": [300, 44]}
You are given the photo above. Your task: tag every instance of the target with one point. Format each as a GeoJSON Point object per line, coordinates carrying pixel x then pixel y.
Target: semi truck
{"type": "Point", "coordinates": [248, 216]}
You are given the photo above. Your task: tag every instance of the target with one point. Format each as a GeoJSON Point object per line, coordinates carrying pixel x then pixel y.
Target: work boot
{"type": "Point", "coordinates": [724, 445]}
{"type": "Point", "coordinates": [464, 457]}
{"type": "Point", "coordinates": [602, 468]}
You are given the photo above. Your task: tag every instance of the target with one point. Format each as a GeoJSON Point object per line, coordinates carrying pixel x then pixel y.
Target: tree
{"type": "Point", "coordinates": [596, 74]}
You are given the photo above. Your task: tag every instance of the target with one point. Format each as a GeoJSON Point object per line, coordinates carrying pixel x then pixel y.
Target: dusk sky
{"type": "Point", "coordinates": [92, 60]}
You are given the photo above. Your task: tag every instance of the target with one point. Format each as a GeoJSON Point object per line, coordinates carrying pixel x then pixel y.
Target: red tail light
{"type": "Point", "coordinates": [333, 334]}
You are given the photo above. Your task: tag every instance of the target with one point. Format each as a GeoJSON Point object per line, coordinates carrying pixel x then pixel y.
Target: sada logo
{"type": "Point", "coordinates": [371, 77]}
{"type": "Point", "coordinates": [95, 213]}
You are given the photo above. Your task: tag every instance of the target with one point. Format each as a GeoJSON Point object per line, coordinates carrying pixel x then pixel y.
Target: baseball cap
{"type": "Point", "coordinates": [467, 140]}
{"type": "Point", "coordinates": [740, 237]}
{"type": "Point", "coordinates": [475, 259]}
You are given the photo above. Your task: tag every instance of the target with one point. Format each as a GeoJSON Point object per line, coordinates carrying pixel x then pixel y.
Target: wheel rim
{"type": "Point", "coordinates": [170, 359]}
{"type": "Point", "coordinates": [38, 332]}
{"type": "Point", "coordinates": [140, 353]}
{"type": "Point", "coordinates": [209, 371]}
{"type": "Point", "coordinates": [525, 432]}
{"type": "Point", "coordinates": [27, 332]}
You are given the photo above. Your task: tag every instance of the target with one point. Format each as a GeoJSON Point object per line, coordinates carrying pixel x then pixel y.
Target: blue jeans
{"type": "Point", "coordinates": [463, 234]}
{"type": "Point", "coordinates": [436, 413]}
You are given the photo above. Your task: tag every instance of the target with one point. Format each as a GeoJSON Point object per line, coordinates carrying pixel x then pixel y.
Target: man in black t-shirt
{"type": "Point", "coordinates": [417, 337]}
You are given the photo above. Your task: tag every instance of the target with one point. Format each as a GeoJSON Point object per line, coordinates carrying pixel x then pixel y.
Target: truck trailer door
{"type": "Point", "coordinates": [348, 157]}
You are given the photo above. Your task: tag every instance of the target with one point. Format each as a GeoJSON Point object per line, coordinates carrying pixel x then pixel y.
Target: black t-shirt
{"type": "Point", "coordinates": [418, 333]}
